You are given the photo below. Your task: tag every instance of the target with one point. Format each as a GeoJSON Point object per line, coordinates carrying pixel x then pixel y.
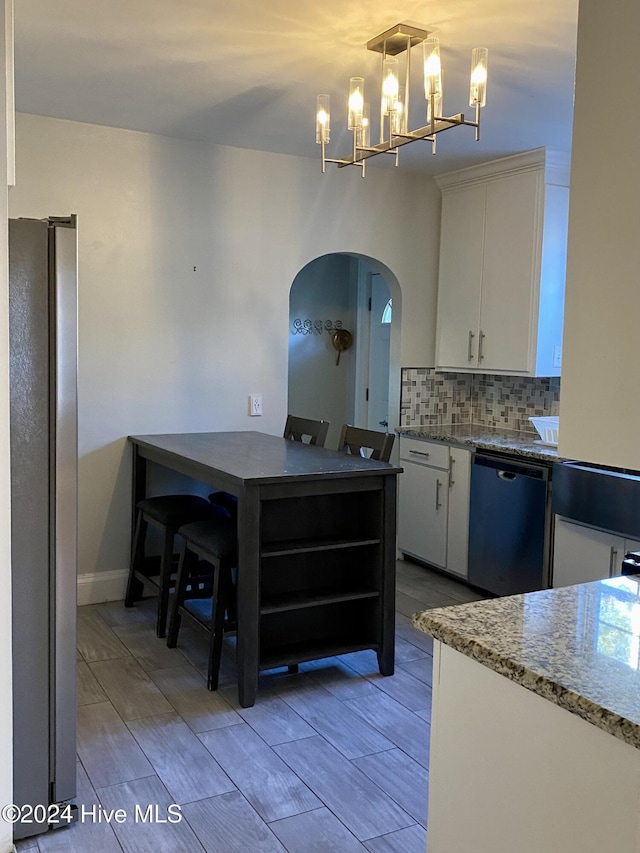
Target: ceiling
{"type": "Point", "coordinates": [246, 74]}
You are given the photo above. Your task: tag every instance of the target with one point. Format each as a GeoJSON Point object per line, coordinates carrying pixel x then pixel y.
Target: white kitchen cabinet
{"type": "Point", "coordinates": [458, 514]}
{"type": "Point", "coordinates": [502, 266]}
{"type": "Point", "coordinates": [582, 554]}
{"type": "Point", "coordinates": [433, 505]}
{"type": "Point", "coordinates": [528, 775]}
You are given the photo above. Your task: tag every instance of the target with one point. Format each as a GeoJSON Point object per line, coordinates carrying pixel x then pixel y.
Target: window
{"type": "Point", "coordinates": [386, 314]}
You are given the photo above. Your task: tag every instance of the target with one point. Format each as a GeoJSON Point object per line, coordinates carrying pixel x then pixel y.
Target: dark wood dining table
{"type": "Point", "coordinates": [316, 544]}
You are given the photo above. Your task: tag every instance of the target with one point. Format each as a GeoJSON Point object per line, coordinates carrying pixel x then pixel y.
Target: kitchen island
{"type": "Point", "coordinates": [316, 543]}
{"type": "Point", "coordinates": [535, 733]}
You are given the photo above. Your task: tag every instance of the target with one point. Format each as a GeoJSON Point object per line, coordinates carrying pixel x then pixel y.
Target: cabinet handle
{"type": "Point", "coordinates": [482, 337]}
{"type": "Point", "coordinates": [451, 480]}
{"type": "Point", "coordinates": [613, 559]}
{"type": "Point", "coordinates": [438, 484]}
{"type": "Point", "coordinates": [422, 453]}
{"type": "Point", "coordinates": [469, 353]}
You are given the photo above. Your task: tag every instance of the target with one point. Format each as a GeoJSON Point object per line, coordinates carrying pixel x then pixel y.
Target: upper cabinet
{"type": "Point", "coordinates": [502, 265]}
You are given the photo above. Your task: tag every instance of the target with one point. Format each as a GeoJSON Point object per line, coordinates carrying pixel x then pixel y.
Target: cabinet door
{"type": "Point", "coordinates": [581, 554]}
{"type": "Point", "coordinates": [628, 545]}
{"type": "Point", "coordinates": [422, 513]}
{"type": "Point", "coordinates": [460, 276]}
{"type": "Point", "coordinates": [510, 271]}
{"type": "Point", "coordinates": [458, 526]}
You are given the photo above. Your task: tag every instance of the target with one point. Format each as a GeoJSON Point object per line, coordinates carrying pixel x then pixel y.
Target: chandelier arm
{"type": "Point", "coordinates": [393, 151]}
{"type": "Point", "coordinates": [475, 123]}
{"type": "Point", "coordinates": [439, 126]}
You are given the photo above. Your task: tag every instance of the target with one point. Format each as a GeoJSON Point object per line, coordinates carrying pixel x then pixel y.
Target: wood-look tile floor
{"type": "Point", "coordinates": [333, 758]}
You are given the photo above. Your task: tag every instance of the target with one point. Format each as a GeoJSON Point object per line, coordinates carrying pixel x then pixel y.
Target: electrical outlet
{"type": "Point", "coordinates": [557, 356]}
{"type": "Point", "coordinates": [255, 405]}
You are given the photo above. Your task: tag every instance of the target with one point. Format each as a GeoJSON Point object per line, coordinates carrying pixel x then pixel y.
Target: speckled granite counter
{"type": "Point", "coordinates": [578, 647]}
{"type": "Point", "coordinates": [488, 438]}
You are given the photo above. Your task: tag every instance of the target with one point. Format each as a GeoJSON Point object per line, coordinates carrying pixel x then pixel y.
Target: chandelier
{"type": "Point", "coordinates": [394, 99]}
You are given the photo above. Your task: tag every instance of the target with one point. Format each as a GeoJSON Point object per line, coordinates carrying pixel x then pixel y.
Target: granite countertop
{"type": "Point", "coordinates": [578, 646]}
{"type": "Point", "coordinates": [488, 438]}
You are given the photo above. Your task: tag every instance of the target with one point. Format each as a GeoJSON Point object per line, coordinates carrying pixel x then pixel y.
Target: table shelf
{"type": "Point", "coordinates": [343, 623]}
{"type": "Point", "coordinates": [320, 597]}
{"type": "Point", "coordinates": [304, 546]}
{"type": "Point", "coordinates": [292, 653]}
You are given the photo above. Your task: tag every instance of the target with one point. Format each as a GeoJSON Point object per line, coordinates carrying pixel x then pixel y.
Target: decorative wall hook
{"type": "Point", "coordinates": [341, 340]}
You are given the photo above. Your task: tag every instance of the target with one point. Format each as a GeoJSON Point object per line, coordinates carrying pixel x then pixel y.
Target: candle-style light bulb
{"type": "Point", "coordinates": [478, 86]}
{"type": "Point", "coordinates": [363, 133]}
{"type": "Point", "coordinates": [356, 102]}
{"type": "Point", "coordinates": [398, 114]}
{"type": "Point", "coordinates": [390, 85]}
{"type": "Point", "coordinates": [323, 119]}
{"type": "Point", "coordinates": [432, 68]}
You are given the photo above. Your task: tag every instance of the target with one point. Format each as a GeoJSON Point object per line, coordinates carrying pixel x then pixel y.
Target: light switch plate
{"type": "Point", "coordinates": [557, 356]}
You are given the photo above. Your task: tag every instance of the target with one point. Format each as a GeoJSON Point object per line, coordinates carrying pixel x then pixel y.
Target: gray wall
{"type": "Point", "coordinates": [164, 347]}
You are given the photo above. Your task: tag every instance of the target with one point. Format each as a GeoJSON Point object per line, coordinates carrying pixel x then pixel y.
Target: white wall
{"type": "Point", "coordinates": [164, 348]}
{"type": "Point", "coordinates": [318, 388]}
{"type": "Point", "coordinates": [6, 698]}
{"type": "Point", "coordinates": [600, 404]}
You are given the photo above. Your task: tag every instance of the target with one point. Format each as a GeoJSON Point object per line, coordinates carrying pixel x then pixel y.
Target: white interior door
{"type": "Point", "coordinates": [379, 340]}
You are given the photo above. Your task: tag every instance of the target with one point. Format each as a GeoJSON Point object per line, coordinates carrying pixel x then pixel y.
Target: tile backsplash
{"type": "Point", "coordinates": [507, 402]}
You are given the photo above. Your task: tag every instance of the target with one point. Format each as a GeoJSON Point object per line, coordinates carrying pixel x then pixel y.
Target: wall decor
{"type": "Point", "coordinates": [315, 327]}
{"type": "Point", "coordinates": [341, 340]}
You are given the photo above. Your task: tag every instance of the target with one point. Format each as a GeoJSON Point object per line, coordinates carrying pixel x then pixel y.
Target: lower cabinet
{"type": "Point", "coordinates": [582, 554]}
{"type": "Point", "coordinates": [458, 516]}
{"type": "Point", "coordinates": [433, 511]}
{"type": "Point", "coordinates": [483, 723]}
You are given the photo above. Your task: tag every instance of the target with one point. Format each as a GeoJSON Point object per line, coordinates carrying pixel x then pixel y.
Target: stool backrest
{"type": "Point", "coordinates": [359, 441]}
{"type": "Point", "coordinates": [297, 428]}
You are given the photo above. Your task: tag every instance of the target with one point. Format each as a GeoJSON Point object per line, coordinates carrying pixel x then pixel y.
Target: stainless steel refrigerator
{"type": "Point", "coordinates": [43, 369]}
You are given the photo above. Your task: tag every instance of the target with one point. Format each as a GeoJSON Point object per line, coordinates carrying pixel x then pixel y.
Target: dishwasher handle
{"type": "Point", "coordinates": [508, 468]}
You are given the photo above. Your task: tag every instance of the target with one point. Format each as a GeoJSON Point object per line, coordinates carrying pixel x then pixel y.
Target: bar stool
{"type": "Point", "coordinates": [205, 594]}
{"type": "Point", "coordinates": [167, 513]}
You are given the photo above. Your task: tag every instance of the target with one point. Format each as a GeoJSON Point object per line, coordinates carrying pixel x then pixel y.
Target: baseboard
{"type": "Point", "coordinates": [101, 586]}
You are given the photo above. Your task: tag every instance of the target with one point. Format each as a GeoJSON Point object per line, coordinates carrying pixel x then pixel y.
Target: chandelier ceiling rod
{"type": "Point", "coordinates": [395, 102]}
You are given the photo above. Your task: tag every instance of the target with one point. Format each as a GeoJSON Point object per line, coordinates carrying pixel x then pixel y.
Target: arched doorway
{"type": "Point", "coordinates": [352, 292]}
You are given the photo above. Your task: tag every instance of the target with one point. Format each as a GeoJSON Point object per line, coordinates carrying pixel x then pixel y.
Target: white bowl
{"type": "Point", "coordinates": [547, 428]}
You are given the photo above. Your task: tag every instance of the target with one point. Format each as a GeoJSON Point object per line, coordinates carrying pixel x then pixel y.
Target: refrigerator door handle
{"type": "Point", "coordinates": [64, 462]}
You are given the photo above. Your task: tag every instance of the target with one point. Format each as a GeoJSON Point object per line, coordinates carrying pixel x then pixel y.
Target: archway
{"type": "Point", "coordinates": [349, 291]}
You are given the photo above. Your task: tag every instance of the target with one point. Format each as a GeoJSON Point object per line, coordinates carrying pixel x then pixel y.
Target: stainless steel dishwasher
{"type": "Point", "coordinates": [509, 524]}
